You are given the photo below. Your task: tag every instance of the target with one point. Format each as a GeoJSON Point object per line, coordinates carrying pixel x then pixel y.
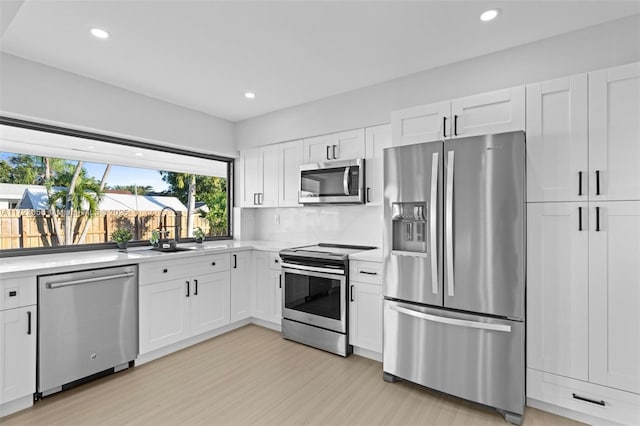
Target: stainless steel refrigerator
{"type": "Point", "coordinates": [454, 271]}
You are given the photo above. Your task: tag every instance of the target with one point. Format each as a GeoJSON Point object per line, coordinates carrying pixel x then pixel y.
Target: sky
{"type": "Point", "coordinates": [120, 175]}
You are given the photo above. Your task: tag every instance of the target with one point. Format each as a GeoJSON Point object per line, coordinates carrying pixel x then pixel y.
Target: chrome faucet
{"type": "Point", "coordinates": [163, 223]}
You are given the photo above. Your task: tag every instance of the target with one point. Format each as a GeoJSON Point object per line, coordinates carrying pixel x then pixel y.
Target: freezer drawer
{"type": "Point", "coordinates": [476, 358]}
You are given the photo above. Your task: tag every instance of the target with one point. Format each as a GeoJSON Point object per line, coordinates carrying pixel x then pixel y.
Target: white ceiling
{"type": "Point", "coordinates": [205, 54]}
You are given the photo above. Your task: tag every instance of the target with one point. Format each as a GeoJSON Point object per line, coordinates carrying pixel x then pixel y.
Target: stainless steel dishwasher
{"type": "Point", "coordinates": [87, 324]}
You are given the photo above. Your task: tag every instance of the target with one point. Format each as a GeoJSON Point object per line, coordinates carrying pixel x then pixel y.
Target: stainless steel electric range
{"type": "Point", "coordinates": [316, 283]}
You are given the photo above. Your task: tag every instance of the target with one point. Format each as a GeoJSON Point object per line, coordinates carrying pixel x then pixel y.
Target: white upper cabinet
{"type": "Point", "coordinates": [290, 159]}
{"type": "Point", "coordinates": [557, 168]}
{"type": "Point", "coordinates": [424, 123]}
{"type": "Point", "coordinates": [251, 174]}
{"type": "Point", "coordinates": [558, 288]}
{"type": "Point", "coordinates": [487, 113]}
{"type": "Point", "coordinates": [614, 133]}
{"type": "Point", "coordinates": [346, 145]}
{"type": "Point", "coordinates": [377, 139]}
{"type": "Point", "coordinates": [483, 114]}
{"type": "Point", "coordinates": [259, 177]}
{"type": "Point", "coordinates": [614, 295]}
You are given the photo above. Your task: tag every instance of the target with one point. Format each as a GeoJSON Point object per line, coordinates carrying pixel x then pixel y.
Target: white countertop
{"type": "Point", "coordinates": [374, 255]}
{"type": "Point", "coordinates": [57, 262]}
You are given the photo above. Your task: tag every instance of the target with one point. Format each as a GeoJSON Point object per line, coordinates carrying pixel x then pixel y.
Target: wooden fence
{"type": "Point", "coordinates": [35, 228]}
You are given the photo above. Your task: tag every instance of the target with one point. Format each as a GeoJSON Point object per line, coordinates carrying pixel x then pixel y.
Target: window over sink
{"type": "Point", "coordinates": [65, 190]}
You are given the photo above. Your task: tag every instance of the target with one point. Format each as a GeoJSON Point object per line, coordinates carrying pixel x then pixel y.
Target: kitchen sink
{"type": "Point", "coordinates": [172, 250]}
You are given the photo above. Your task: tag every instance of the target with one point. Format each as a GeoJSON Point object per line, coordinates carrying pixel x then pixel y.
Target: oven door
{"type": "Point", "coordinates": [315, 296]}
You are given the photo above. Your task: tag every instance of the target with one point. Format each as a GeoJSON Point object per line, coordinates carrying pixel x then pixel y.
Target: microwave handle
{"type": "Point", "coordinates": [345, 180]}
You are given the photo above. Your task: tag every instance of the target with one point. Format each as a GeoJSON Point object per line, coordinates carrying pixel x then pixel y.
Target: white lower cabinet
{"type": "Point", "coordinates": [614, 295]}
{"type": "Point", "coordinates": [600, 402]}
{"type": "Point", "coordinates": [210, 302]}
{"type": "Point", "coordinates": [365, 305]}
{"type": "Point", "coordinates": [174, 306]}
{"type": "Point", "coordinates": [267, 293]}
{"type": "Point", "coordinates": [241, 268]}
{"type": "Point", "coordinates": [558, 288]}
{"type": "Point", "coordinates": [18, 331]}
{"type": "Point", "coordinates": [164, 314]}
{"type": "Point", "coordinates": [18, 353]}
{"type": "Point", "coordinates": [583, 284]}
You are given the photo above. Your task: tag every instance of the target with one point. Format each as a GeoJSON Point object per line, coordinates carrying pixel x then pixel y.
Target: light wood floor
{"type": "Point", "coordinates": [253, 376]}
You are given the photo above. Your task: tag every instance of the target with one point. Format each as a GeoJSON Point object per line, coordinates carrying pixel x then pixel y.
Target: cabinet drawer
{"type": "Point", "coordinates": [18, 292]}
{"type": "Point", "coordinates": [274, 260]}
{"type": "Point", "coordinates": [619, 406]}
{"type": "Point", "coordinates": [171, 269]}
{"type": "Point", "coordinates": [215, 263]}
{"type": "Point", "coordinates": [365, 272]}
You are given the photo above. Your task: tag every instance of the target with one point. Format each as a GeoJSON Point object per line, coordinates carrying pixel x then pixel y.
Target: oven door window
{"type": "Point", "coordinates": [331, 182]}
{"type": "Point", "coordinates": [313, 295]}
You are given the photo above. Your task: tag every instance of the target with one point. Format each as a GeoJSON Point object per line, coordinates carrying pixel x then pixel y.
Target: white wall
{"type": "Point", "coordinates": [609, 44]}
{"type": "Point", "coordinates": [33, 91]}
{"type": "Point", "coordinates": [359, 225]}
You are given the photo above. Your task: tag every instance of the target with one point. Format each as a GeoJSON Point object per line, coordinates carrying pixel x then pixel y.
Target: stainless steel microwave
{"type": "Point", "coordinates": [336, 182]}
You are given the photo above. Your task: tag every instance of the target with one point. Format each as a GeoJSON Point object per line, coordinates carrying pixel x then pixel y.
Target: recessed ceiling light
{"type": "Point", "coordinates": [138, 154]}
{"type": "Point", "coordinates": [489, 15]}
{"type": "Point", "coordinates": [249, 95]}
{"type": "Point", "coordinates": [97, 32]}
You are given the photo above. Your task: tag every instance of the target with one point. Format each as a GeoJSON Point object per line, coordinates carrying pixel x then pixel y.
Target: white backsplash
{"type": "Point", "coordinates": [357, 225]}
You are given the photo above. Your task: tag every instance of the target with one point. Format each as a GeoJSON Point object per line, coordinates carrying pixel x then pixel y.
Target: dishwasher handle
{"type": "Point", "coordinates": [90, 280]}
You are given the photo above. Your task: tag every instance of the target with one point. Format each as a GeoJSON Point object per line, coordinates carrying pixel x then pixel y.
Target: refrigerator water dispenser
{"type": "Point", "coordinates": [409, 229]}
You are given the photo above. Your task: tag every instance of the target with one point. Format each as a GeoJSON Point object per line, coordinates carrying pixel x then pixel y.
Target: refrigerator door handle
{"type": "Point", "coordinates": [452, 321]}
{"type": "Point", "coordinates": [449, 224]}
{"type": "Point", "coordinates": [433, 225]}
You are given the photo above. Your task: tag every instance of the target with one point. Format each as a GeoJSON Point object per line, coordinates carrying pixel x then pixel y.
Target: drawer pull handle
{"type": "Point", "coordinates": [165, 270]}
{"type": "Point", "coordinates": [351, 294]}
{"type": "Point", "coordinates": [29, 322]}
{"type": "Point", "coordinates": [368, 273]}
{"type": "Point", "coordinates": [213, 263]}
{"type": "Point", "coordinates": [188, 287]}
{"type": "Point", "coordinates": [593, 401]}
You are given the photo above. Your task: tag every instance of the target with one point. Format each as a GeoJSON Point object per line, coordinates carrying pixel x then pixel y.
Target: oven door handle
{"type": "Point", "coordinates": [294, 267]}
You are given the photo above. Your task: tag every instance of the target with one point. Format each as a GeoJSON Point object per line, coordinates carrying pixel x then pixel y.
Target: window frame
{"type": "Point", "coordinates": [31, 125]}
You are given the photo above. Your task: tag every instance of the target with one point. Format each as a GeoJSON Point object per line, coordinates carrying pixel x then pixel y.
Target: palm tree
{"type": "Point", "coordinates": [82, 194]}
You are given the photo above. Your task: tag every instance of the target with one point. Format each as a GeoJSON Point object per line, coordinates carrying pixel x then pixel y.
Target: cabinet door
{"type": "Point", "coordinates": [424, 123]}
{"type": "Point", "coordinates": [614, 295]}
{"type": "Point", "coordinates": [614, 133]}
{"type": "Point", "coordinates": [17, 353]}
{"type": "Point", "coordinates": [487, 113]}
{"type": "Point", "coordinates": [269, 193]}
{"type": "Point", "coordinates": [263, 304]}
{"type": "Point", "coordinates": [251, 161]}
{"type": "Point", "coordinates": [317, 149]}
{"type": "Point", "coordinates": [209, 302]}
{"type": "Point", "coordinates": [365, 316]}
{"type": "Point", "coordinates": [164, 314]}
{"type": "Point", "coordinates": [557, 128]}
{"type": "Point", "coordinates": [290, 158]}
{"type": "Point", "coordinates": [276, 286]}
{"type": "Point", "coordinates": [240, 285]}
{"type": "Point", "coordinates": [558, 288]}
{"type": "Point", "coordinates": [377, 139]}
{"type": "Point", "coordinates": [348, 145]}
